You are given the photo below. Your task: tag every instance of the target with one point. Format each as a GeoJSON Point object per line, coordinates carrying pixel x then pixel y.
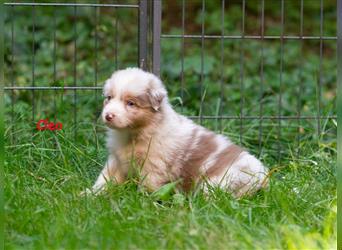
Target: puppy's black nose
{"type": "Point", "coordinates": [109, 117]}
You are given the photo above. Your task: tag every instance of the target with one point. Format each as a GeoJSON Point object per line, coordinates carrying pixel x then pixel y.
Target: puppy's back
{"type": "Point", "coordinates": [214, 160]}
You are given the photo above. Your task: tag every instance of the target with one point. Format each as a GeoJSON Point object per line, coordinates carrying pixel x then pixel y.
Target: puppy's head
{"type": "Point", "coordinates": [133, 99]}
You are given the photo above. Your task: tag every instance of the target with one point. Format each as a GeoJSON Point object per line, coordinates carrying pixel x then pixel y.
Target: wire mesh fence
{"type": "Point", "coordinates": [253, 74]}
{"type": "Point", "coordinates": [66, 46]}
{"type": "Point", "coordinates": [262, 72]}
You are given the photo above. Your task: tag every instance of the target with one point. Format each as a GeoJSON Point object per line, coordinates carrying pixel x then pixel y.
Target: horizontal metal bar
{"type": "Point", "coordinates": [250, 37]}
{"type": "Point", "coordinates": [275, 117]}
{"type": "Point", "coordinates": [53, 88]}
{"type": "Point", "coordinates": [75, 5]}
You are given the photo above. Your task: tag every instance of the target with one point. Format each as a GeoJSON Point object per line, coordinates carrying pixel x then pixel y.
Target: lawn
{"type": "Point", "coordinates": [44, 209]}
{"type": "Point", "coordinates": [46, 171]}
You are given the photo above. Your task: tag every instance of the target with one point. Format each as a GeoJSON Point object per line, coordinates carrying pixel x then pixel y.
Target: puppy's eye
{"type": "Point", "coordinates": [130, 103]}
{"type": "Point", "coordinates": [108, 97]}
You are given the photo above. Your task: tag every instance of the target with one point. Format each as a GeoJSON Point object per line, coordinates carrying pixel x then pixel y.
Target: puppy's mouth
{"type": "Point", "coordinates": [114, 125]}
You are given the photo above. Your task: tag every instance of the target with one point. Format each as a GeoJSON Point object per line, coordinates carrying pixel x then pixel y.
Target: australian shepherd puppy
{"type": "Point", "coordinates": [144, 132]}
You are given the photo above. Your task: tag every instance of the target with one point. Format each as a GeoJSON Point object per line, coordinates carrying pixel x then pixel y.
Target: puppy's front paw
{"type": "Point", "coordinates": [86, 192]}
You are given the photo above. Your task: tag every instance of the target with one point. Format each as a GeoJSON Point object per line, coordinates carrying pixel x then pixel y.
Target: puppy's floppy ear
{"type": "Point", "coordinates": [156, 97]}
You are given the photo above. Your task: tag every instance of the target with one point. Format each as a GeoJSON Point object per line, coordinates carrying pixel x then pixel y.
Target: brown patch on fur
{"type": "Point", "coordinates": [145, 100]}
{"type": "Point", "coordinates": [141, 101]}
{"type": "Point", "coordinates": [224, 160]}
{"type": "Point", "coordinates": [143, 117]}
{"type": "Point", "coordinates": [190, 169]}
{"type": "Point", "coordinates": [142, 114]}
{"type": "Point", "coordinates": [155, 98]}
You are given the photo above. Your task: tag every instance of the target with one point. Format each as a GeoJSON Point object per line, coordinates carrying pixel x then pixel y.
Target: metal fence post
{"type": "Point", "coordinates": [143, 26]}
{"type": "Point", "coordinates": [157, 14]}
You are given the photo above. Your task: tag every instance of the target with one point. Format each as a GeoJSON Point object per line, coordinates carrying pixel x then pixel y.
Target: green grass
{"type": "Point", "coordinates": [45, 174]}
